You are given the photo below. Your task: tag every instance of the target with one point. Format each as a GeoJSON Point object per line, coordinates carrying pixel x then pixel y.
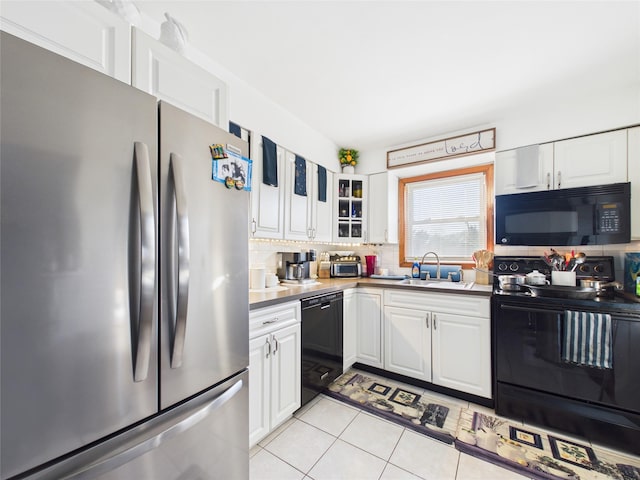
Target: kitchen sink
{"type": "Point", "coordinates": [433, 283]}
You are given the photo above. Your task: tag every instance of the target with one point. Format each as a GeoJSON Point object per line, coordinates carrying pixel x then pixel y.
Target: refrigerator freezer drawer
{"type": "Point", "coordinates": [204, 438]}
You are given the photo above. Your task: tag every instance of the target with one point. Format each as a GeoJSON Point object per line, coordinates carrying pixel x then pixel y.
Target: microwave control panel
{"type": "Point", "coordinates": [610, 217]}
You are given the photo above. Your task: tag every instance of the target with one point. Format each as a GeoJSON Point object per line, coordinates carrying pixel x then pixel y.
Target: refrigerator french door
{"type": "Point", "coordinates": [124, 308]}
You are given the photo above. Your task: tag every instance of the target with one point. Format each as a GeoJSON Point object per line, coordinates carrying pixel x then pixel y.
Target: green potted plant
{"type": "Point", "coordinates": [348, 159]}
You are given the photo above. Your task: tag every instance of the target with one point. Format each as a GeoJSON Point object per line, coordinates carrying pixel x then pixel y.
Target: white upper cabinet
{"type": "Point", "coordinates": [162, 72]}
{"type": "Point", "coordinates": [634, 178]}
{"type": "Point", "coordinates": [297, 207]}
{"type": "Point", "coordinates": [267, 201]}
{"type": "Point", "coordinates": [597, 159]}
{"type": "Point", "coordinates": [321, 214]}
{"type": "Point", "coordinates": [526, 169]}
{"type": "Point", "coordinates": [85, 32]}
{"type": "Point", "coordinates": [592, 160]}
{"type": "Point", "coordinates": [350, 207]}
{"type": "Point", "coordinates": [383, 208]}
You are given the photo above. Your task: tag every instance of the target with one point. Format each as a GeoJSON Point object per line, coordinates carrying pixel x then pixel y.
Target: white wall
{"type": "Point", "coordinates": [254, 111]}
{"type": "Point", "coordinates": [534, 120]}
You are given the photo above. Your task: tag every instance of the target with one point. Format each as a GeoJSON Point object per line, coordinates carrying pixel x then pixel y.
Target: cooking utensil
{"type": "Point", "coordinates": [560, 291]}
{"type": "Point", "coordinates": [512, 282]}
{"type": "Point", "coordinates": [577, 260]}
{"type": "Point", "coordinates": [600, 285]}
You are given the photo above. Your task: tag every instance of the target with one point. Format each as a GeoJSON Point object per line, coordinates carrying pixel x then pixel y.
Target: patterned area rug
{"type": "Point", "coordinates": [529, 451]}
{"type": "Point", "coordinates": [422, 413]}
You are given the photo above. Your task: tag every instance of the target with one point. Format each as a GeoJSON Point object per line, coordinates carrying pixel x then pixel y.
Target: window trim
{"type": "Point", "coordinates": [487, 169]}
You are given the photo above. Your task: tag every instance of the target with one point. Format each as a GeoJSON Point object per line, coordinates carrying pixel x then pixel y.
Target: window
{"type": "Point", "coordinates": [450, 213]}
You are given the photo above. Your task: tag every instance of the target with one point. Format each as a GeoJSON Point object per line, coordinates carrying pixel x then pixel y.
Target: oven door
{"type": "Point", "coordinates": [530, 342]}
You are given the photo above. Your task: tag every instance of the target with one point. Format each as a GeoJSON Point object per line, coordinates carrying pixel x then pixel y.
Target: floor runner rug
{"type": "Point", "coordinates": [532, 452]}
{"type": "Point", "coordinates": [420, 412]}
{"type": "Point", "coordinates": [537, 453]}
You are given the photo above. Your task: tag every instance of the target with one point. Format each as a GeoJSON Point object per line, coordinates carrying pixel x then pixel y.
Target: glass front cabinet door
{"type": "Point", "coordinates": [351, 205]}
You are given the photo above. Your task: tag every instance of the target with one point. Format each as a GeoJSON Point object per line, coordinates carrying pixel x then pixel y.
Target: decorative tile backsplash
{"type": "Point", "coordinates": [264, 253]}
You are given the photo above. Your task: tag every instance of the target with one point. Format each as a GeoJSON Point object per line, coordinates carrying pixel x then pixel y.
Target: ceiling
{"type": "Point", "coordinates": [369, 74]}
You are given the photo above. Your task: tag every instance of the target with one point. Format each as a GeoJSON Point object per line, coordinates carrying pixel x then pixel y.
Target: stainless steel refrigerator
{"type": "Point", "coordinates": [124, 292]}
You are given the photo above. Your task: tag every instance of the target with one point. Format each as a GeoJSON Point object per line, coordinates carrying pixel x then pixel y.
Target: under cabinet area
{"type": "Point", "coordinates": [444, 339]}
{"type": "Point", "coordinates": [274, 367]}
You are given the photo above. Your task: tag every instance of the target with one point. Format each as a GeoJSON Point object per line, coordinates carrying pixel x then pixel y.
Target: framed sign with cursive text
{"type": "Point", "coordinates": [467, 144]}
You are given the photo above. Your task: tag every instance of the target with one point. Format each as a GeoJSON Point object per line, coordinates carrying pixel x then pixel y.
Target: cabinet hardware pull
{"type": "Point", "coordinates": [268, 347]}
{"type": "Point", "coordinates": [435, 325]}
{"type": "Point", "coordinates": [548, 180]}
{"type": "Point", "coordinates": [559, 178]}
{"type": "Point", "coordinates": [254, 226]}
{"type": "Point", "coordinates": [275, 350]}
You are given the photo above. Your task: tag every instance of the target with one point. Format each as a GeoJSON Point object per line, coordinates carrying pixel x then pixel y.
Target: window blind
{"type": "Point", "coordinates": [447, 216]}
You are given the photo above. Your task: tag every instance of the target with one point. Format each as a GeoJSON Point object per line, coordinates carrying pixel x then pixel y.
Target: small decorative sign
{"type": "Point", "coordinates": [233, 170]}
{"type": "Point", "coordinates": [482, 141]}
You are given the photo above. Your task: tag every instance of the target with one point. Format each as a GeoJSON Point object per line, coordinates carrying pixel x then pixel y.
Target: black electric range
{"type": "Point", "coordinates": [540, 377]}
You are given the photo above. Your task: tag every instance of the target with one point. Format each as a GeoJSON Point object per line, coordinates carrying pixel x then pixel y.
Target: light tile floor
{"type": "Point", "coordinates": [328, 439]}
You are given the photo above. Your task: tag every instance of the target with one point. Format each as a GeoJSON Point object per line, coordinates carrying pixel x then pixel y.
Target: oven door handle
{"type": "Point", "coordinates": [530, 309]}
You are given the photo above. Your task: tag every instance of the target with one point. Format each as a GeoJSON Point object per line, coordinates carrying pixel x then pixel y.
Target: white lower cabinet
{"type": "Point", "coordinates": [274, 368]}
{"type": "Point", "coordinates": [407, 342]}
{"type": "Point", "coordinates": [444, 339]}
{"type": "Point", "coordinates": [349, 328]}
{"type": "Point", "coordinates": [461, 353]}
{"type": "Point", "coordinates": [369, 327]}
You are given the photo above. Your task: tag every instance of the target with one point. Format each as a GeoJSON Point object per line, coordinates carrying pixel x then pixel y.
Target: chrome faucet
{"type": "Point", "coordinates": [437, 263]}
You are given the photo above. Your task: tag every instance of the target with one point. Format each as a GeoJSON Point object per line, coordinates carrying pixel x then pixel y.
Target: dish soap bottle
{"type": "Point", "coordinates": [415, 270]}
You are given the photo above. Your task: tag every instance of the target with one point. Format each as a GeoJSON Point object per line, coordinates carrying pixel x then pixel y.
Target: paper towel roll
{"type": "Point", "coordinates": [257, 278]}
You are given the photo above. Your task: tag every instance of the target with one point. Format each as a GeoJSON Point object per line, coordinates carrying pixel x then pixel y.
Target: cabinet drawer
{"type": "Point", "coordinates": [459, 304]}
{"type": "Point", "coordinates": [266, 320]}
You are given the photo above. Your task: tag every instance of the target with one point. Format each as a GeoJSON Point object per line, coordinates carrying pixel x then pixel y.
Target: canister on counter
{"type": "Point", "coordinates": [631, 272]}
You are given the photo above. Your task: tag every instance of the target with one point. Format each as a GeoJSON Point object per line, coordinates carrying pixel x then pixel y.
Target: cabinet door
{"type": "Point", "coordinates": [297, 207]}
{"type": "Point", "coordinates": [85, 32]}
{"type": "Point", "coordinates": [259, 388]}
{"type": "Point", "coordinates": [169, 76]}
{"type": "Point", "coordinates": [321, 212]}
{"type": "Point", "coordinates": [383, 208]}
{"type": "Point", "coordinates": [462, 353]}
{"type": "Point", "coordinates": [591, 160]}
{"type": "Point", "coordinates": [524, 169]}
{"type": "Point", "coordinates": [286, 358]}
{"type": "Point", "coordinates": [351, 208]}
{"type": "Point", "coordinates": [349, 320]}
{"type": "Point", "coordinates": [634, 177]}
{"type": "Point", "coordinates": [408, 342]}
{"type": "Point", "coordinates": [267, 202]}
{"type": "Point", "coordinates": [369, 328]}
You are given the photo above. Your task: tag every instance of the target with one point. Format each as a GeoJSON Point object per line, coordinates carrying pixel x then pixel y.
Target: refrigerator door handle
{"type": "Point", "coordinates": [140, 447]}
{"type": "Point", "coordinates": [175, 170]}
{"type": "Point", "coordinates": [142, 355]}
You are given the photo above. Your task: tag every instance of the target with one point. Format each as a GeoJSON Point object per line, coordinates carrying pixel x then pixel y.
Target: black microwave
{"type": "Point", "coordinates": [595, 215]}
